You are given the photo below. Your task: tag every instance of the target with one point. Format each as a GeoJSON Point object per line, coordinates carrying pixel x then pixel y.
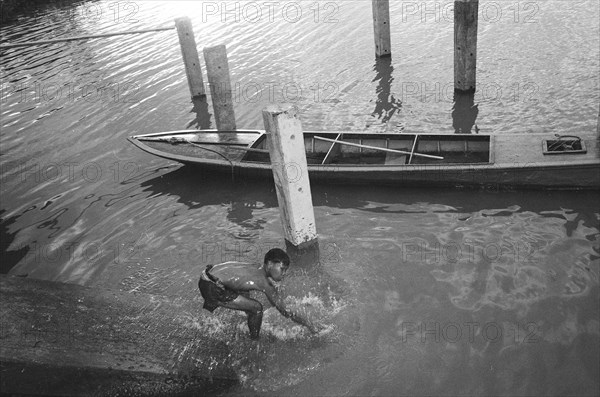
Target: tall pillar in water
{"type": "Point", "coordinates": [465, 44]}
{"type": "Point", "coordinates": [189, 52]}
{"type": "Point", "coordinates": [381, 26]}
{"type": "Point", "coordinates": [290, 172]}
{"type": "Point", "coordinates": [219, 81]}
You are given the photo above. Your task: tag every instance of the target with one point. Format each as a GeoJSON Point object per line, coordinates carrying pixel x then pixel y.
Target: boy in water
{"type": "Point", "coordinates": [229, 284]}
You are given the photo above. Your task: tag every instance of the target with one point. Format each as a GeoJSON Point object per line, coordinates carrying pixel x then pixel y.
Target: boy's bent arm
{"type": "Point", "coordinates": [277, 300]}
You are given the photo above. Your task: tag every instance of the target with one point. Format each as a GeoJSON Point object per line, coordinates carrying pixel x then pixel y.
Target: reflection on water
{"type": "Point", "coordinates": [386, 104]}
{"type": "Point", "coordinates": [202, 120]}
{"type": "Point", "coordinates": [432, 291]}
{"type": "Point", "coordinates": [464, 113]}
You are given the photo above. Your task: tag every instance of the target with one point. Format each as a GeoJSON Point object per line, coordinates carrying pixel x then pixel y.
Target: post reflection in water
{"type": "Point", "coordinates": [464, 113]}
{"type": "Point", "coordinates": [202, 120]}
{"type": "Point", "coordinates": [386, 105]}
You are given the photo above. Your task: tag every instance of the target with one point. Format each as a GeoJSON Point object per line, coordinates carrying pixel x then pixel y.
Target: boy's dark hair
{"type": "Point", "coordinates": [277, 255]}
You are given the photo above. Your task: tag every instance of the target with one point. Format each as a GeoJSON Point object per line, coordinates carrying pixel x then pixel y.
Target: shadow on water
{"type": "Point", "coordinates": [8, 259]}
{"type": "Point", "coordinates": [464, 113]}
{"type": "Point", "coordinates": [200, 108]}
{"type": "Point", "coordinates": [386, 105]}
{"type": "Point", "coordinates": [195, 188]}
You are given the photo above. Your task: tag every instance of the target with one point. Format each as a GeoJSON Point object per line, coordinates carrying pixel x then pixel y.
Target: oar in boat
{"type": "Point", "coordinates": [378, 148]}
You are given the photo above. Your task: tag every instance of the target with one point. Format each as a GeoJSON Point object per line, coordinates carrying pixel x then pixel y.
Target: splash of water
{"type": "Point", "coordinates": [313, 307]}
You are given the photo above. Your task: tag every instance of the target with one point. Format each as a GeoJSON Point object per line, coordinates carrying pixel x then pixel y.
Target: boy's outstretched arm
{"type": "Point", "coordinates": [277, 300]}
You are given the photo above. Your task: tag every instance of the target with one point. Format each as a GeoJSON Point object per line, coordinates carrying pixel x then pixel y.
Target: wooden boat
{"type": "Point", "coordinates": [513, 160]}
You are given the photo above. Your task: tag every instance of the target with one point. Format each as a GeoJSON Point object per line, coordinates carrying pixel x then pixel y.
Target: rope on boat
{"type": "Point", "coordinates": [216, 152]}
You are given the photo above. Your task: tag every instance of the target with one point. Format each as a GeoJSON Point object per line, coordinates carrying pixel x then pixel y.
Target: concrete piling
{"type": "Point", "coordinates": [465, 44]}
{"type": "Point", "coordinates": [381, 25]}
{"type": "Point", "coordinates": [290, 171]}
{"type": "Point", "coordinates": [189, 52]}
{"type": "Point", "coordinates": [217, 69]}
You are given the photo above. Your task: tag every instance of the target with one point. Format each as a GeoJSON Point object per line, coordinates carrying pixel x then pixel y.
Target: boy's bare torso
{"type": "Point", "coordinates": [240, 276]}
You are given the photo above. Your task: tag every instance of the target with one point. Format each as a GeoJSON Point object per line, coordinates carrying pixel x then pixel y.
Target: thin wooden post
{"type": "Point", "coordinates": [381, 24]}
{"type": "Point", "coordinates": [288, 159]}
{"type": "Point", "coordinates": [465, 44]}
{"type": "Point", "coordinates": [217, 69]}
{"type": "Point", "coordinates": [189, 52]}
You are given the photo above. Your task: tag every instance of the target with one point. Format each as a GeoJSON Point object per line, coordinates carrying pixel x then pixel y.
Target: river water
{"type": "Point", "coordinates": [433, 291]}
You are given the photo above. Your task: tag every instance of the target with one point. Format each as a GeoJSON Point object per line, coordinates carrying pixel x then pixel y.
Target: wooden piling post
{"type": "Point", "coordinates": [288, 158]}
{"type": "Point", "coordinates": [381, 24]}
{"type": "Point", "coordinates": [465, 44]}
{"type": "Point", "coordinates": [217, 69]}
{"type": "Point", "coordinates": [189, 52]}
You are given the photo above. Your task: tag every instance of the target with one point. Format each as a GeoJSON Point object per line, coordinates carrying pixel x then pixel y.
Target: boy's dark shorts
{"type": "Point", "coordinates": [214, 294]}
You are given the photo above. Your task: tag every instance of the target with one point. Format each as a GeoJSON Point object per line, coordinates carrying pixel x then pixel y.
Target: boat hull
{"type": "Point", "coordinates": [492, 177]}
{"type": "Point", "coordinates": [550, 172]}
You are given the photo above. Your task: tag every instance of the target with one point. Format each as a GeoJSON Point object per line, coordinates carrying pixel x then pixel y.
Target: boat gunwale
{"type": "Point", "coordinates": [186, 132]}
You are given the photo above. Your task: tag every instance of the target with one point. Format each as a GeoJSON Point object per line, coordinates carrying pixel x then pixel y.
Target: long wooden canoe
{"type": "Point", "coordinates": [512, 160]}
